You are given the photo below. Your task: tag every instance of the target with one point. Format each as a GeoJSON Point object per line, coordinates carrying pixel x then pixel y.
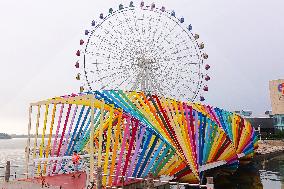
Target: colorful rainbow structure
{"type": "Point", "coordinates": [134, 134]}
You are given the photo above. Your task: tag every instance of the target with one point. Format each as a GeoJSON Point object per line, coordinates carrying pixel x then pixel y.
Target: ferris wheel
{"type": "Point", "coordinates": [143, 48]}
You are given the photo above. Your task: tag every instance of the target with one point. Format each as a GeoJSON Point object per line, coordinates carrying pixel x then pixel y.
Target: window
{"type": "Point", "coordinates": [282, 120]}
{"type": "Point", "coordinates": [275, 120]}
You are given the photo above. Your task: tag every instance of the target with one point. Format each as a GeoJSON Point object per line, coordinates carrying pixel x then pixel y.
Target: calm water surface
{"type": "Point", "coordinates": [265, 175]}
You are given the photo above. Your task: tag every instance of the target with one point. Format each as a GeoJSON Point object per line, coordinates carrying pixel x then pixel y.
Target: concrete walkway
{"type": "Point", "coordinates": [24, 185]}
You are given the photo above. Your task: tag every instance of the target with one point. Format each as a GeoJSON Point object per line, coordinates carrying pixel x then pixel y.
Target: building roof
{"type": "Point", "coordinates": [263, 122]}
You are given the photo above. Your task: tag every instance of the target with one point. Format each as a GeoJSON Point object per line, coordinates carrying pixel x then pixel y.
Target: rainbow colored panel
{"type": "Point", "coordinates": [137, 134]}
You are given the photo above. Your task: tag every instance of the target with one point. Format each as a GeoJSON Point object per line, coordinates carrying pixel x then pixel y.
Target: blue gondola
{"type": "Point", "coordinates": [110, 11]}
{"type": "Point", "coordinates": [190, 27]}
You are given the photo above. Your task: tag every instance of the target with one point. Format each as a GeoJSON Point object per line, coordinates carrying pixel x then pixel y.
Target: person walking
{"type": "Point", "coordinates": [75, 160]}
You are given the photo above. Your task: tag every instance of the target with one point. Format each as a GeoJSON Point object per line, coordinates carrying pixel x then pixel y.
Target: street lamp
{"type": "Point", "coordinates": [259, 132]}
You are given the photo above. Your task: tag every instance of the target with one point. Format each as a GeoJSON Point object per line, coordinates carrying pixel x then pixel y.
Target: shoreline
{"type": "Point", "coordinates": [268, 149]}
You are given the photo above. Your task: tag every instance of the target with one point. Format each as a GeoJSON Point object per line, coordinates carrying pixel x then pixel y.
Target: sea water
{"type": "Point", "coordinates": [266, 174]}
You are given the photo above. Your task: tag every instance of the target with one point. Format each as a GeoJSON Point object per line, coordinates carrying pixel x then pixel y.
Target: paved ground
{"type": "Point", "coordinates": [65, 181]}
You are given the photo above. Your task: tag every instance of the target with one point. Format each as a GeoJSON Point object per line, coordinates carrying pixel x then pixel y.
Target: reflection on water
{"type": "Point", "coordinates": [263, 175]}
{"type": "Point", "coordinates": [13, 150]}
{"type": "Point", "coordinates": [272, 171]}
{"type": "Point", "coordinates": [246, 177]}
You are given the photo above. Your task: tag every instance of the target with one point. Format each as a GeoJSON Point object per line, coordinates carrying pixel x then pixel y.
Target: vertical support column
{"type": "Point", "coordinates": [210, 183]}
{"type": "Point", "coordinates": [28, 141]}
{"type": "Point", "coordinates": [109, 136]}
{"type": "Point", "coordinates": [92, 128]}
{"type": "Point", "coordinates": [150, 182]}
{"type": "Point", "coordinates": [178, 186]}
{"type": "Point", "coordinates": [7, 171]}
{"type": "Point", "coordinates": [37, 126]}
{"type": "Point", "coordinates": [101, 134]}
{"type": "Point", "coordinates": [122, 182]}
{"type": "Point", "coordinates": [99, 177]}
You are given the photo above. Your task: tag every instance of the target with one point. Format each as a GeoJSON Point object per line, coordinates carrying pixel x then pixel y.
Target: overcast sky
{"type": "Point", "coordinates": [244, 40]}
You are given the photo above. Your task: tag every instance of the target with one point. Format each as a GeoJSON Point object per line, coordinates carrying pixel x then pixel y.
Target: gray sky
{"type": "Point", "coordinates": [244, 40]}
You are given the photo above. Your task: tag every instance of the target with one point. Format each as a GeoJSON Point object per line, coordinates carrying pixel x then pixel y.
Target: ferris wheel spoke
{"type": "Point", "coordinates": [127, 78]}
{"type": "Point", "coordinates": [175, 52]}
{"type": "Point", "coordinates": [150, 21]}
{"type": "Point", "coordinates": [111, 44]}
{"type": "Point", "coordinates": [120, 22]}
{"type": "Point", "coordinates": [108, 76]}
{"type": "Point", "coordinates": [106, 58]}
{"type": "Point", "coordinates": [103, 38]}
{"type": "Point", "coordinates": [119, 40]}
{"type": "Point", "coordinates": [166, 71]}
{"type": "Point", "coordinates": [163, 52]}
{"type": "Point", "coordinates": [177, 73]}
{"type": "Point", "coordinates": [113, 53]}
{"type": "Point", "coordinates": [189, 80]}
{"type": "Point", "coordinates": [105, 84]}
{"type": "Point", "coordinates": [124, 67]}
{"type": "Point", "coordinates": [135, 85]}
{"type": "Point", "coordinates": [112, 82]}
{"type": "Point", "coordinates": [108, 70]}
{"type": "Point", "coordinates": [109, 56]}
{"type": "Point", "coordinates": [156, 83]}
{"type": "Point", "coordinates": [150, 43]}
{"type": "Point", "coordinates": [192, 63]}
{"type": "Point", "coordinates": [166, 87]}
{"type": "Point", "coordinates": [177, 43]}
{"type": "Point", "coordinates": [153, 44]}
{"type": "Point", "coordinates": [158, 41]}
{"type": "Point", "coordinates": [130, 27]}
{"type": "Point", "coordinates": [177, 59]}
{"type": "Point", "coordinates": [118, 34]}
{"type": "Point", "coordinates": [102, 46]}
